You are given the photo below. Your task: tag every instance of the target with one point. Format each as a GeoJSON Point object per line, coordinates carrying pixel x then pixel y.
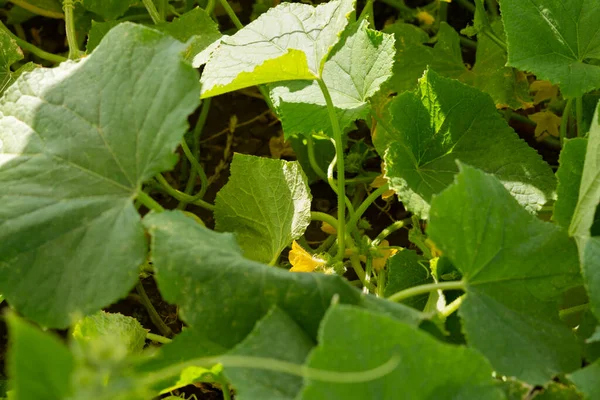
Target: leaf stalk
{"type": "Point", "coordinates": [422, 289]}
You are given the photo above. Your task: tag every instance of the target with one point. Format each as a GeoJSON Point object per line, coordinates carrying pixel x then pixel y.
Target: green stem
{"type": "Point", "coordinates": [487, 31]}
{"type": "Point", "coordinates": [452, 307]}
{"type": "Point", "coordinates": [466, 4]}
{"type": "Point", "coordinates": [320, 216]}
{"type": "Point", "coordinates": [422, 289]}
{"type": "Point", "coordinates": [361, 179]}
{"type": "Point", "coordinates": [573, 310]}
{"type": "Point", "coordinates": [162, 9]}
{"type": "Point", "coordinates": [68, 8]}
{"type": "Point", "coordinates": [224, 386]}
{"type": "Point", "coordinates": [149, 202]}
{"type": "Point", "coordinates": [37, 10]}
{"type": "Point", "coordinates": [326, 244]}
{"type": "Point", "coordinates": [178, 195]}
{"type": "Point", "coordinates": [231, 14]}
{"type": "Point", "coordinates": [271, 364]}
{"type": "Point", "coordinates": [579, 115]}
{"type": "Point", "coordinates": [391, 229]}
{"type": "Point", "coordinates": [158, 338]}
{"type": "Point", "coordinates": [341, 186]}
{"type": "Point", "coordinates": [365, 205]}
{"type": "Point", "coordinates": [154, 317]}
{"type": "Point", "coordinates": [151, 7]}
{"type": "Point", "coordinates": [210, 7]}
{"type": "Point", "coordinates": [310, 148]}
{"type": "Point", "coordinates": [367, 11]}
{"type": "Point", "coordinates": [198, 168]}
{"type": "Point", "coordinates": [465, 41]}
{"type": "Point", "coordinates": [381, 282]}
{"type": "Point", "coordinates": [33, 49]}
{"type": "Point", "coordinates": [564, 123]}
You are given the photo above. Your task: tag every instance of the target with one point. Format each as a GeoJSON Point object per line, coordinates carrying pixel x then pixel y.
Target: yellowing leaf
{"type": "Point", "coordinates": [435, 252]}
{"type": "Point", "coordinates": [543, 90]}
{"type": "Point", "coordinates": [328, 229]}
{"type": "Point", "coordinates": [425, 18]}
{"type": "Point", "coordinates": [547, 123]}
{"type": "Point", "coordinates": [279, 147]}
{"type": "Point", "coordinates": [303, 261]}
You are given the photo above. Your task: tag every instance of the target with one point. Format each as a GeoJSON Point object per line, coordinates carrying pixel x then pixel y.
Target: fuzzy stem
{"type": "Point", "coordinates": [149, 202]}
{"type": "Point", "coordinates": [178, 195]}
{"type": "Point", "coordinates": [68, 8]}
{"type": "Point", "coordinates": [391, 229]}
{"type": "Point", "coordinates": [33, 49]}
{"type": "Point", "coordinates": [37, 10]}
{"type": "Point", "coordinates": [154, 317]}
{"type": "Point", "coordinates": [452, 307]}
{"type": "Point", "coordinates": [149, 4]}
{"type": "Point", "coordinates": [158, 338]}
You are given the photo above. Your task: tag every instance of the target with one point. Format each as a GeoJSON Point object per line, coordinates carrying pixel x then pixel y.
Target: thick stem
{"type": "Point", "coordinates": [38, 10]}
{"type": "Point", "coordinates": [149, 202]}
{"type": "Point", "coordinates": [231, 14]}
{"type": "Point", "coordinates": [452, 307]}
{"type": "Point", "coordinates": [564, 122]}
{"type": "Point", "coordinates": [154, 317]}
{"type": "Point", "coordinates": [162, 9]}
{"type": "Point", "coordinates": [68, 8]}
{"type": "Point", "coordinates": [320, 216]}
{"type": "Point", "coordinates": [149, 4]}
{"type": "Point", "coordinates": [422, 289]}
{"type": "Point", "coordinates": [391, 229]}
{"type": "Point", "coordinates": [487, 31]}
{"type": "Point", "coordinates": [341, 186]}
{"type": "Point", "coordinates": [158, 338]}
{"type": "Point", "coordinates": [33, 49]}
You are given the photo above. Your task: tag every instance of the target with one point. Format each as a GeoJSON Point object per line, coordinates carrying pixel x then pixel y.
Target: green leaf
{"type": "Point", "coordinates": [427, 368]}
{"type": "Point", "coordinates": [508, 87]}
{"type": "Point", "coordinates": [275, 336]}
{"type": "Point", "coordinates": [589, 191]}
{"type": "Point", "coordinates": [108, 9]}
{"type": "Point", "coordinates": [117, 329]}
{"type": "Point", "coordinates": [557, 391]}
{"type": "Point", "coordinates": [515, 267]}
{"type": "Point", "coordinates": [39, 365]}
{"type": "Point", "coordinates": [407, 269]}
{"type": "Point", "coordinates": [353, 72]}
{"type": "Point", "coordinates": [222, 294]}
{"type": "Point", "coordinates": [589, 255]}
{"type": "Point", "coordinates": [587, 380]}
{"type": "Point", "coordinates": [288, 42]}
{"type": "Point", "coordinates": [10, 53]}
{"type": "Point", "coordinates": [97, 32]}
{"type": "Point", "coordinates": [443, 121]}
{"type": "Point", "coordinates": [74, 151]}
{"type": "Point", "coordinates": [196, 28]}
{"type": "Point", "coordinates": [266, 203]}
{"type": "Point", "coordinates": [569, 172]}
{"type": "Point", "coordinates": [557, 41]}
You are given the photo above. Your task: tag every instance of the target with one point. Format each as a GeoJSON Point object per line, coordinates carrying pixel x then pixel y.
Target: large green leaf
{"type": "Point", "coordinates": [572, 158]}
{"type": "Point", "coordinates": [288, 42]}
{"type": "Point", "coordinates": [222, 294]}
{"type": "Point", "coordinates": [445, 120]}
{"type": "Point", "coordinates": [266, 203]}
{"type": "Point", "coordinates": [39, 365]}
{"type": "Point", "coordinates": [515, 267]}
{"type": "Point", "coordinates": [353, 72]}
{"type": "Point", "coordinates": [275, 336]}
{"type": "Point", "coordinates": [556, 40]}
{"type": "Point", "coordinates": [10, 53]}
{"type": "Point", "coordinates": [507, 86]}
{"type": "Point", "coordinates": [74, 151]}
{"type": "Point", "coordinates": [351, 339]}
{"type": "Point", "coordinates": [589, 191]}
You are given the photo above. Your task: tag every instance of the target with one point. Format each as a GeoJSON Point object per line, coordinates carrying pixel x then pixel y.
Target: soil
{"type": "Point", "coordinates": [218, 146]}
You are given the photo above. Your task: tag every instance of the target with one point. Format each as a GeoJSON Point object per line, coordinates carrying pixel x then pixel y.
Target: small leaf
{"type": "Point", "coordinates": [587, 381]}
{"type": "Point", "coordinates": [543, 90]}
{"type": "Point", "coordinates": [407, 269]}
{"type": "Point", "coordinates": [556, 41]}
{"type": "Point", "coordinates": [266, 203]}
{"type": "Point", "coordinates": [515, 267]}
{"type": "Point", "coordinates": [547, 122]}
{"type": "Point", "coordinates": [288, 42]}
{"type": "Point", "coordinates": [427, 368]}
{"type": "Point", "coordinates": [109, 9]}
{"type": "Point", "coordinates": [10, 53]}
{"type": "Point", "coordinates": [443, 121]}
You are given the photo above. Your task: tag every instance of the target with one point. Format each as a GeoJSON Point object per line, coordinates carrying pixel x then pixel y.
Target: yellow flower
{"type": "Point", "coordinates": [379, 182]}
{"type": "Point", "coordinates": [303, 261]}
{"type": "Point", "coordinates": [328, 229]}
{"type": "Point", "coordinates": [547, 122]}
{"type": "Point", "coordinates": [383, 254]}
{"type": "Point", "coordinates": [425, 18]}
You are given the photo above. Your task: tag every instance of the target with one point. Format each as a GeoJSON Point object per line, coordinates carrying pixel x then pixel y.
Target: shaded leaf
{"type": "Point", "coordinates": [572, 158]}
